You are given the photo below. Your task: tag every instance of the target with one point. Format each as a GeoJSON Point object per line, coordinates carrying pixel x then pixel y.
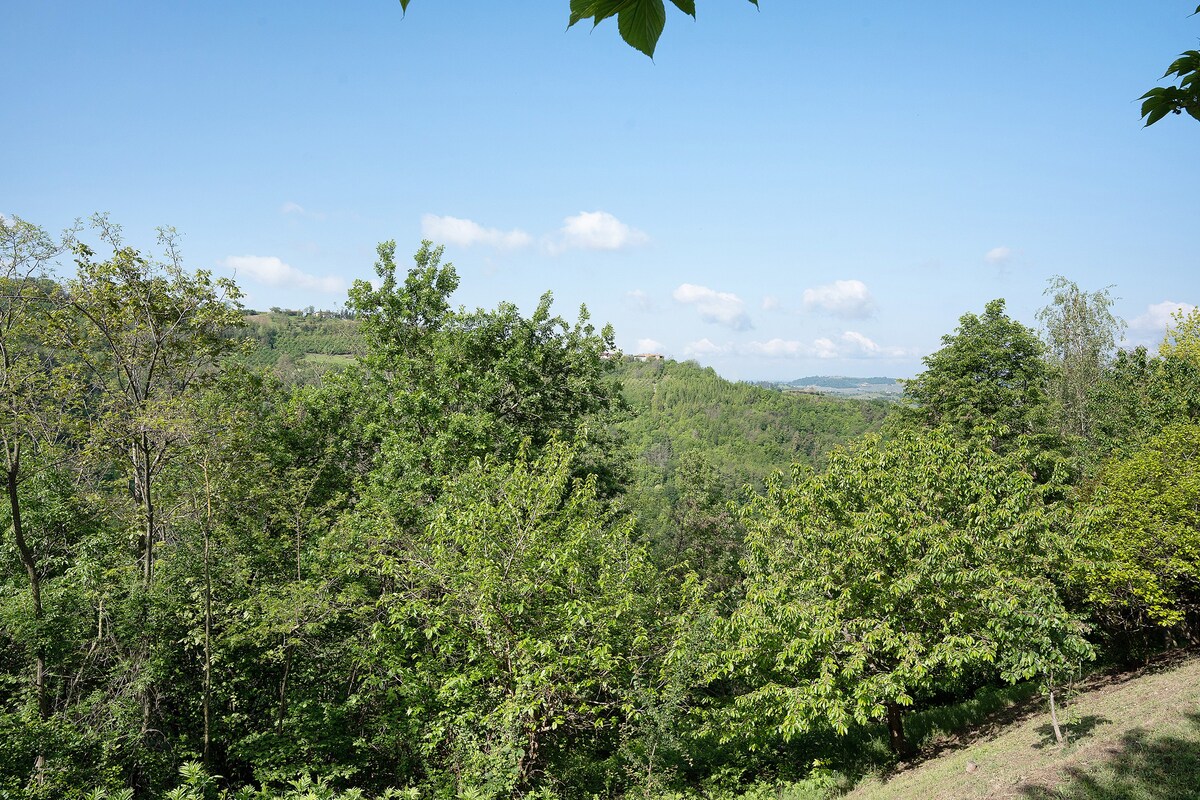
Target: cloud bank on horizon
{"type": "Point", "coordinates": [849, 345]}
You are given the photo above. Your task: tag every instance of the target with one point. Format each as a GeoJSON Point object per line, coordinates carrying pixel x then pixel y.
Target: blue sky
{"type": "Point", "coordinates": [812, 188]}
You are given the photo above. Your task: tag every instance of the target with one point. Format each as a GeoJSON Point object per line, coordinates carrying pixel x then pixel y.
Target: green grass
{"type": "Point", "coordinates": [1132, 736]}
{"type": "Point", "coordinates": [1144, 765]}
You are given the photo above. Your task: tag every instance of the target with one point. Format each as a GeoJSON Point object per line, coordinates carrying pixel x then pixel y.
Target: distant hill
{"type": "Point", "coordinates": [843, 386]}
{"type": "Point", "coordinates": [681, 411]}
{"type": "Point", "coordinates": [750, 429]}
{"type": "Point", "coordinates": [842, 382]}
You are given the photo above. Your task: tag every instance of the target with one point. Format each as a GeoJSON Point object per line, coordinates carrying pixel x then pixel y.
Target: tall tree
{"type": "Point", "coordinates": [1182, 339]}
{"type": "Point", "coordinates": [447, 386]}
{"type": "Point", "coordinates": [519, 624]}
{"type": "Point", "coordinates": [149, 333]}
{"type": "Point", "coordinates": [1081, 333]}
{"type": "Point", "coordinates": [32, 405]}
{"type": "Point", "coordinates": [904, 566]}
{"type": "Point", "coordinates": [146, 334]}
{"type": "Point", "coordinates": [990, 375]}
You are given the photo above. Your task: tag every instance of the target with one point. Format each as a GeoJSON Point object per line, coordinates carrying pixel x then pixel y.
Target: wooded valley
{"type": "Point", "coordinates": [411, 550]}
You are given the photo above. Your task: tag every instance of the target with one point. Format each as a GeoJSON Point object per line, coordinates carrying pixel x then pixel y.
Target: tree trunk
{"type": "Point", "coordinates": [207, 643]}
{"type": "Point", "coordinates": [35, 591]}
{"type": "Point", "coordinates": [1058, 736]}
{"type": "Point", "coordinates": [143, 477]}
{"type": "Point", "coordinates": [283, 704]}
{"type": "Point", "coordinates": [895, 723]}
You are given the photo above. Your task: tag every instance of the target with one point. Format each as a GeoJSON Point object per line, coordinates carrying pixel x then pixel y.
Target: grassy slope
{"type": "Point", "coordinates": [1134, 736]}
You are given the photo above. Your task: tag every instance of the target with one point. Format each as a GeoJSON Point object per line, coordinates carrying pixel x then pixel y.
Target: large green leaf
{"type": "Point", "coordinates": [641, 22]}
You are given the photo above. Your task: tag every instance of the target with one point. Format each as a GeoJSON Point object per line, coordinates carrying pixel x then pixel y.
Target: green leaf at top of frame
{"type": "Point", "coordinates": [687, 6]}
{"type": "Point", "coordinates": [641, 22]}
{"type": "Point", "coordinates": [595, 10]}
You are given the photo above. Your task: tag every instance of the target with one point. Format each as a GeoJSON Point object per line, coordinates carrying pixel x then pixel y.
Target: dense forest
{"type": "Point", "coordinates": [413, 550]}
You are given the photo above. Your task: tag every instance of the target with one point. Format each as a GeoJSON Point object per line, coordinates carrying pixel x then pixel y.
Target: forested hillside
{"type": "Point", "coordinates": [483, 559]}
{"type": "Point", "coordinates": [751, 431]}
{"type": "Point", "coordinates": [696, 439]}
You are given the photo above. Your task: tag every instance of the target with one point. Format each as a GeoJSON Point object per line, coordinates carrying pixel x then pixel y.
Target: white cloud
{"type": "Point", "coordinates": [849, 299]}
{"type": "Point", "coordinates": [723, 308]}
{"type": "Point", "coordinates": [704, 347]}
{"type": "Point", "coordinates": [291, 208]}
{"type": "Point", "coordinates": [273, 271]}
{"type": "Point", "coordinates": [640, 300]}
{"type": "Point", "coordinates": [465, 233]}
{"type": "Point", "coordinates": [594, 230]}
{"type": "Point", "coordinates": [770, 302]}
{"type": "Point", "coordinates": [1149, 328]}
{"type": "Point", "coordinates": [650, 346]}
{"type": "Point", "coordinates": [825, 348]}
{"type": "Point", "coordinates": [854, 343]}
{"type": "Point", "coordinates": [779, 348]}
{"type": "Point", "coordinates": [850, 344]}
{"type": "Point", "coordinates": [792, 348]}
{"type": "Point", "coordinates": [998, 256]}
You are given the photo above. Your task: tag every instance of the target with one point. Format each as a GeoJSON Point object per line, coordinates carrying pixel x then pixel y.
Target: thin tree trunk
{"type": "Point", "coordinates": [35, 591]}
{"type": "Point", "coordinates": [144, 468]}
{"type": "Point", "coordinates": [1058, 736]}
{"type": "Point", "coordinates": [287, 667]}
{"type": "Point", "coordinates": [207, 617]}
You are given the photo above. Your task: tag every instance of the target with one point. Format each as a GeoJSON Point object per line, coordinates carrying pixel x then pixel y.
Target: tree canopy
{"type": "Point", "coordinates": [989, 374]}
{"type": "Point", "coordinates": [905, 565]}
{"type": "Point", "coordinates": [487, 557]}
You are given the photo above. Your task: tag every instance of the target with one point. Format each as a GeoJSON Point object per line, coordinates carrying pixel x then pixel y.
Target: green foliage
{"type": "Point", "coordinates": [483, 559]}
{"type": "Point", "coordinates": [439, 388]}
{"type": "Point", "coordinates": [302, 348]}
{"type": "Point", "coordinates": [640, 22]}
{"type": "Point", "coordinates": [1139, 395]}
{"type": "Point", "coordinates": [1082, 334]}
{"type": "Point", "coordinates": [1163, 100]}
{"type": "Point", "coordinates": [1182, 340]}
{"type": "Point", "coordinates": [1144, 522]}
{"type": "Point", "coordinates": [696, 439]}
{"type": "Point", "coordinates": [900, 569]}
{"type": "Point", "coordinates": [748, 430]}
{"type": "Point", "coordinates": [989, 375]}
{"type": "Point", "coordinates": [516, 621]}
